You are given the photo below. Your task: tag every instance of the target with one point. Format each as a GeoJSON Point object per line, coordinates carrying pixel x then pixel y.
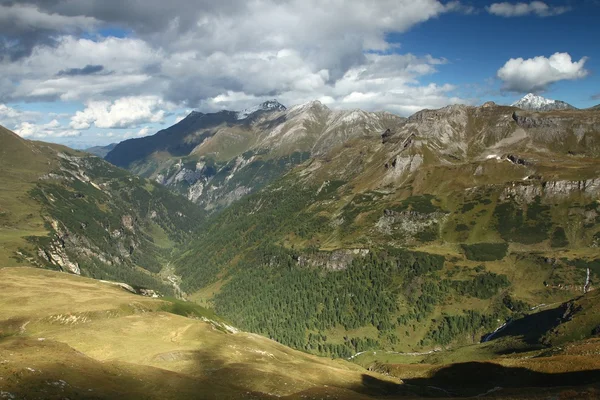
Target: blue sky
{"type": "Point", "coordinates": [102, 71]}
{"type": "Point", "coordinates": [478, 45]}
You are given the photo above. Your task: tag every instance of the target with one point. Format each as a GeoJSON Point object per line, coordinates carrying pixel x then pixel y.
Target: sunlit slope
{"type": "Point", "coordinates": [64, 335]}
{"type": "Point", "coordinates": [508, 199]}
{"type": "Point", "coordinates": [67, 210]}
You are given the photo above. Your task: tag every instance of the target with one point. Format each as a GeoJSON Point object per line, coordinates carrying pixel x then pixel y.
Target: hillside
{"type": "Point", "coordinates": [432, 234]}
{"type": "Point", "coordinates": [67, 210]}
{"type": "Point", "coordinates": [101, 151]}
{"type": "Point", "coordinates": [216, 159]}
{"type": "Point", "coordinates": [80, 338]}
{"type": "Point", "coordinates": [73, 337]}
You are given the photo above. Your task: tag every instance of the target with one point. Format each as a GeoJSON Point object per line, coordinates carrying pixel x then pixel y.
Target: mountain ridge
{"type": "Point", "coordinates": [532, 102]}
{"type": "Point", "coordinates": [68, 210]}
{"type": "Point", "coordinates": [213, 159]}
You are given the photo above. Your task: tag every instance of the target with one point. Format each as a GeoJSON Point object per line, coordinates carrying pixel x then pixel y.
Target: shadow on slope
{"type": "Point", "coordinates": [475, 378]}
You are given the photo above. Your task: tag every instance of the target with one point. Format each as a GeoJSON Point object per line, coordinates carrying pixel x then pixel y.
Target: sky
{"type": "Point", "coordinates": [93, 72]}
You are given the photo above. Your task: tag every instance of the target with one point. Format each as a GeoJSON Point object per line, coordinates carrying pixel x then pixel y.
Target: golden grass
{"type": "Point", "coordinates": [114, 330]}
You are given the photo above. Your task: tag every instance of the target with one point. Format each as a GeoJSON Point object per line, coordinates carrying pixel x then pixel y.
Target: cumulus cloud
{"type": "Point", "coordinates": [214, 55]}
{"type": "Point", "coordinates": [12, 118]}
{"type": "Point", "coordinates": [52, 129]}
{"type": "Point", "coordinates": [539, 8]}
{"type": "Point", "coordinates": [536, 74]}
{"type": "Point", "coordinates": [126, 112]}
{"type": "Point", "coordinates": [35, 77]}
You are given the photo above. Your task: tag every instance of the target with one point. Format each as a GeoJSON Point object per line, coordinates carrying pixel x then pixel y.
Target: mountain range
{"type": "Point", "coordinates": [215, 159]}
{"type": "Point", "coordinates": [406, 245]}
{"type": "Point", "coordinates": [531, 102]}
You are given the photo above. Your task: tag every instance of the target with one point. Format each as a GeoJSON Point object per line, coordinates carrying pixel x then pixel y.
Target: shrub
{"type": "Point", "coordinates": [485, 251]}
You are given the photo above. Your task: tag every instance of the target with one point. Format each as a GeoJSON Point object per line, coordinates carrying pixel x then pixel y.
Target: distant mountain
{"type": "Point", "coordinates": [101, 151]}
{"type": "Point", "coordinates": [215, 159]}
{"type": "Point", "coordinates": [532, 102]}
{"type": "Point", "coordinates": [595, 107]}
{"type": "Point", "coordinates": [67, 210]}
{"type": "Point", "coordinates": [271, 105]}
{"type": "Point", "coordinates": [389, 236]}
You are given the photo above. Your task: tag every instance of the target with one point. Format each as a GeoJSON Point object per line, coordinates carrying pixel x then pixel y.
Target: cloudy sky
{"type": "Point", "coordinates": [85, 72]}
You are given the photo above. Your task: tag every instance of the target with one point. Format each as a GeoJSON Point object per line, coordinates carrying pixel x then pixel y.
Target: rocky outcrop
{"type": "Point", "coordinates": [535, 120]}
{"type": "Point", "coordinates": [527, 192]}
{"type": "Point", "coordinates": [408, 224]}
{"type": "Point", "coordinates": [336, 260]}
{"type": "Point", "coordinates": [385, 136]}
{"type": "Point", "coordinates": [55, 254]}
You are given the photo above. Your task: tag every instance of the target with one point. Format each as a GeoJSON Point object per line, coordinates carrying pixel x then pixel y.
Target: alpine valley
{"type": "Point", "coordinates": [306, 252]}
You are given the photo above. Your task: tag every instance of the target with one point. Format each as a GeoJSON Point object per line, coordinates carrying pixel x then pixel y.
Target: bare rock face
{"type": "Point", "coordinates": [527, 192]}
{"type": "Point", "coordinates": [336, 260]}
{"type": "Point", "coordinates": [408, 224]}
{"type": "Point", "coordinates": [385, 136]}
{"type": "Point", "coordinates": [127, 222]}
{"type": "Point", "coordinates": [534, 120]}
{"type": "Point", "coordinates": [564, 188]}
{"type": "Point", "coordinates": [57, 255]}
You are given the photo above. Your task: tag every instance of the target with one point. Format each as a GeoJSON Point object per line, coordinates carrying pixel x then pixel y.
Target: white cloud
{"type": "Point", "coordinates": [536, 74]}
{"type": "Point", "coordinates": [539, 8]}
{"type": "Point", "coordinates": [190, 55]}
{"type": "Point", "coordinates": [52, 129]}
{"type": "Point", "coordinates": [145, 131]}
{"type": "Point", "coordinates": [125, 62]}
{"type": "Point", "coordinates": [12, 117]}
{"type": "Point", "coordinates": [230, 54]}
{"type": "Point", "coordinates": [126, 112]}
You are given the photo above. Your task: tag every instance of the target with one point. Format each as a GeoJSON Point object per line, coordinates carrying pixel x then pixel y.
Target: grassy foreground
{"type": "Point", "coordinates": [65, 336]}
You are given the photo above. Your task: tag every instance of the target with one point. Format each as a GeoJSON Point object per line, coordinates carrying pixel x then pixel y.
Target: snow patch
{"type": "Point", "coordinates": [271, 105]}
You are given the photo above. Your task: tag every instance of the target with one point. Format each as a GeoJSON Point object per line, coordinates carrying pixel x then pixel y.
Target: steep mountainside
{"type": "Point", "coordinates": [67, 210]}
{"type": "Point", "coordinates": [531, 102]}
{"type": "Point", "coordinates": [429, 235]}
{"type": "Point", "coordinates": [215, 159]}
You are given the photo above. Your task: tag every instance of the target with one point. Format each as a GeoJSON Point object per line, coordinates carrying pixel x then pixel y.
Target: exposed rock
{"type": "Point", "coordinates": [385, 136]}
{"type": "Point", "coordinates": [57, 256]}
{"type": "Point", "coordinates": [535, 120]}
{"type": "Point", "coordinates": [127, 222]}
{"type": "Point", "coordinates": [407, 223]}
{"type": "Point", "coordinates": [516, 160]}
{"type": "Point", "coordinates": [149, 293]}
{"type": "Point", "coordinates": [527, 192]}
{"type": "Point", "coordinates": [122, 285]}
{"type": "Point", "coordinates": [335, 260]}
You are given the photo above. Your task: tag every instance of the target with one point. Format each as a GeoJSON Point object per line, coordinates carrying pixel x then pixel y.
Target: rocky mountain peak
{"type": "Point", "coordinates": [532, 102]}
{"type": "Point", "coordinates": [269, 105]}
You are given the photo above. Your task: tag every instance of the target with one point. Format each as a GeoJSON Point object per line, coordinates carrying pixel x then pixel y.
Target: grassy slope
{"type": "Point", "coordinates": [68, 336]}
{"type": "Point", "coordinates": [101, 340]}
{"type": "Point", "coordinates": [53, 198]}
{"type": "Point", "coordinates": [21, 164]}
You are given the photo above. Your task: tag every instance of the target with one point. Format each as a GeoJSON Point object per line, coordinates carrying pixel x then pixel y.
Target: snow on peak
{"type": "Point", "coordinates": [533, 102]}
{"type": "Point", "coordinates": [269, 105]}
{"type": "Point", "coordinates": [313, 104]}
